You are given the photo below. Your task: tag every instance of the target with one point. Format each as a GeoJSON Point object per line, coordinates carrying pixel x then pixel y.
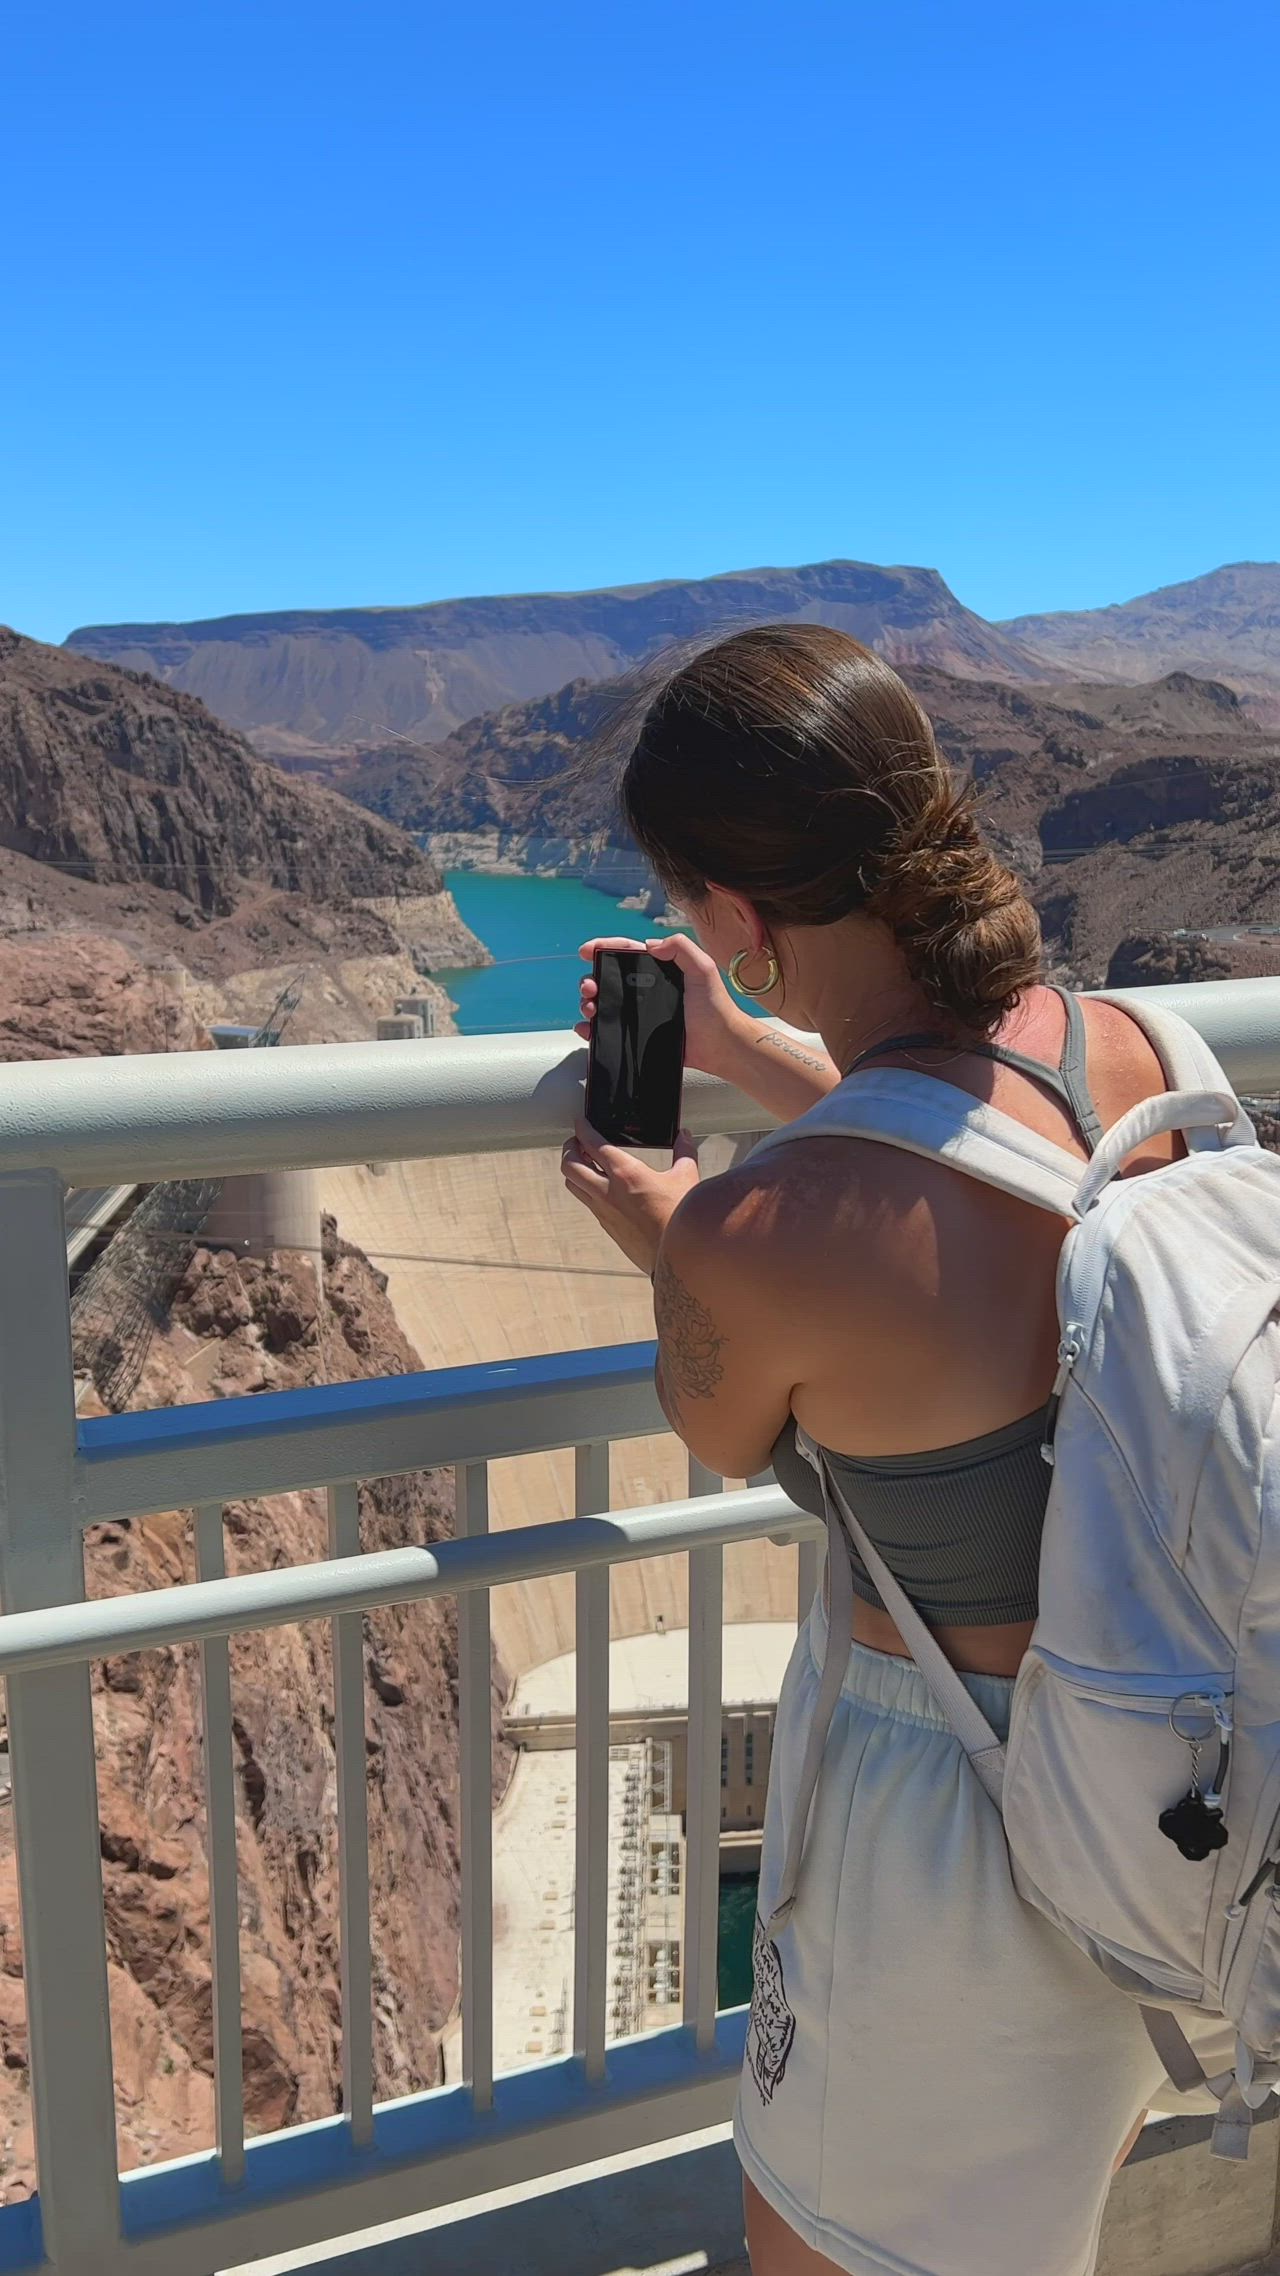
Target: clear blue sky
{"type": "Point", "coordinates": [309, 305]}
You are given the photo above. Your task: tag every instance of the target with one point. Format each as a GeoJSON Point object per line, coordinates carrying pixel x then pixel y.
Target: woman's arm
{"type": "Point", "coordinates": [787, 1073]}
{"type": "Point", "coordinates": [722, 1373]}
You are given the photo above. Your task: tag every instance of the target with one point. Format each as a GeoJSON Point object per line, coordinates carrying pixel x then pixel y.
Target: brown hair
{"type": "Point", "coordinates": [790, 765]}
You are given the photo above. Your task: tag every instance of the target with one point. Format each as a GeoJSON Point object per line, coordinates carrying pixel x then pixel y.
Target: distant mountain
{"type": "Point", "coordinates": [1126, 808]}
{"type": "Point", "coordinates": [129, 815]}
{"type": "Point", "coordinates": [514, 769]}
{"type": "Point", "coordinates": [1224, 626]}
{"type": "Point", "coordinates": [113, 777]}
{"type": "Point", "coordinates": [308, 681]}
{"type": "Point", "coordinates": [520, 770]}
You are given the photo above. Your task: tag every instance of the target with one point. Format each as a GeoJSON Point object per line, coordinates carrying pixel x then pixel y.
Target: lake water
{"type": "Point", "coordinates": [533, 927]}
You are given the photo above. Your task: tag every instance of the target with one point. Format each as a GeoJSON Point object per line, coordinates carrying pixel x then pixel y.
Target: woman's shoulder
{"type": "Point", "coordinates": [1124, 1065]}
{"type": "Point", "coordinates": [774, 1216]}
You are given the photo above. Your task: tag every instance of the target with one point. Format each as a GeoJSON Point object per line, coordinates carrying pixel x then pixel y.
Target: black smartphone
{"type": "Point", "coordinates": [635, 1063]}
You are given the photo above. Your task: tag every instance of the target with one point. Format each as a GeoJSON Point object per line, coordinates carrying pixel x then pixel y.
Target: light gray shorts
{"type": "Point", "coordinates": [937, 2083]}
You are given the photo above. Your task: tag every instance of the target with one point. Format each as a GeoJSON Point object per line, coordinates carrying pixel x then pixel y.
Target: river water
{"type": "Point", "coordinates": [533, 928]}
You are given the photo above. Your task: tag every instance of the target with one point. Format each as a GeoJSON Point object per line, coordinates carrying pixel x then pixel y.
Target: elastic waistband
{"type": "Point", "coordinates": [896, 1687]}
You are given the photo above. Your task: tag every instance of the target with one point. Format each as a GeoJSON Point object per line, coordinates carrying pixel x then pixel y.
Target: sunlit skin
{"type": "Point", "coordinates": [892, 1305]}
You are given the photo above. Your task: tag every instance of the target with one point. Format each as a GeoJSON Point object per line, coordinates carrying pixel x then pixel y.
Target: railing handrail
{"type": "Point", "coordinates": [213, 1114]}
{"type": "Point", "coordinates": [264, 1442]}
{"type": "Point", "coordinates": [194, 1611]}
{"type": "Point", "coordinates": [200, 1114]}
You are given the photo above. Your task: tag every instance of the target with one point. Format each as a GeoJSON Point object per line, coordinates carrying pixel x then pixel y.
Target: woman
{"type": "Point", "coordinates": [937, 2082]}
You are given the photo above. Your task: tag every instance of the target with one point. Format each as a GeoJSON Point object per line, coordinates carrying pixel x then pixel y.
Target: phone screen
{"type": "Point", "coordinates": [636, 1061]}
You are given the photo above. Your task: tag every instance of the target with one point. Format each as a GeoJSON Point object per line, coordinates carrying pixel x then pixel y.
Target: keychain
{"type": "Point", "coordinates": [1194, 1824]}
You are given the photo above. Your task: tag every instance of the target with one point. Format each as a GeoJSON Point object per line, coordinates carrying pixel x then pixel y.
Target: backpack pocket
{"type": "Point", "coordinates": [1091, 1766]}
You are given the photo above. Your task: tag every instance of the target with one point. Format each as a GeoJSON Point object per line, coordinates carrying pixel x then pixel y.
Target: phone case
{"type": "Point", "coordinates": [635, 1065]}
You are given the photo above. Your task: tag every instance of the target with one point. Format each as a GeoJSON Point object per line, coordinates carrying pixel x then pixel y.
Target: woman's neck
{"type": "Point", "coordinates": [849, 984]}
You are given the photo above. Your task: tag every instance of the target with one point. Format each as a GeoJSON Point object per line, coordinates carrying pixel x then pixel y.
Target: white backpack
{"type": "Point", "coordinates": [1153, 1675]}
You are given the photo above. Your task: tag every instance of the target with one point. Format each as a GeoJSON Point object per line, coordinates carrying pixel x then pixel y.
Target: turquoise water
{"type": "Point", "coordinates": [533, 927]}
{"type": "Point", "coordinates": [733, 1953]}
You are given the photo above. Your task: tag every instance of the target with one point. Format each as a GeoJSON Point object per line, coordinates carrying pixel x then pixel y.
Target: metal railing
{"type": "Point", "coordinates": [98, 1123]}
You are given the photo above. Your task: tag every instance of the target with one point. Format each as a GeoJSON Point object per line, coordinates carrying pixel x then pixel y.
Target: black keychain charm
{"type": "Point", "coordinates": [1194, 1825]}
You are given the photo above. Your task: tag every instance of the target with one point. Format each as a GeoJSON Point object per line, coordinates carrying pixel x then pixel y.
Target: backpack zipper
{"type": "Point", "coordinates": [1069, 1349]}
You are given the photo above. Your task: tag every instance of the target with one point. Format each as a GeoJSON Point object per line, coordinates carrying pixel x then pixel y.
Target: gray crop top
{"type": "Point", "coordinates": [959, 1526]}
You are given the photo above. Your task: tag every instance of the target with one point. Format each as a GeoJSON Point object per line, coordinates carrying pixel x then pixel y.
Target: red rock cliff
{"type": "Point", "coordinates": [234, 1327]}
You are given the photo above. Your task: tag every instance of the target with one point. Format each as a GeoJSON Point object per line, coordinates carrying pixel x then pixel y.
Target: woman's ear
{"type": "Point", "coordinates": [733, 918]}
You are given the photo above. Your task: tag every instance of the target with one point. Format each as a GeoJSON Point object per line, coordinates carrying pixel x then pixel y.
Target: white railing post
{"type": "Point", "coordinates": [347, 1634]}
{"type": "Point", "coordinates": [591, 1872]}
{"type": "Point", "coordinates": [224, 1875]}
{"type": "Point", "coordinates": [475, 1754]}
{"type": "Point", "coordinates": [55, 1790]}
{"type": "Point", "coordinates": [702, 1816]}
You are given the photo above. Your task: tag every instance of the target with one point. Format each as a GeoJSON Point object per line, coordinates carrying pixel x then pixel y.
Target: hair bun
{"type": "Point", "coordinates": [961, 919]}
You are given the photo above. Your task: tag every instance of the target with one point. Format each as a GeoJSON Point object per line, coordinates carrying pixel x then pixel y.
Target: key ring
{"type": "Point", "coordinates": [1191, 1738]}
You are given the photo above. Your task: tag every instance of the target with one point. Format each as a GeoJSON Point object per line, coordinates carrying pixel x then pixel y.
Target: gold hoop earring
{"type": "Point", "coordinates": [773, 974]}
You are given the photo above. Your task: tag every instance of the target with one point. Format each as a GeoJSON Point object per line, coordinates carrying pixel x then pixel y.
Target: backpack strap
{"type": "Point", "coordinates": [1188, 1062]}
{"type": "Point", "coordinates": [1203, 1118]}
{"type": "Point", "coordinates": [1239, 2092]}
{"type": "Point", "coordinates": [1068, 1080]}
{"type": "Point", "coordinates": [924, 1115]}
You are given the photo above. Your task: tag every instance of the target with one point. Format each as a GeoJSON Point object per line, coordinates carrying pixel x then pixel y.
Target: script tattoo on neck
{"type": "Point", "coordinates": [689, 1340]}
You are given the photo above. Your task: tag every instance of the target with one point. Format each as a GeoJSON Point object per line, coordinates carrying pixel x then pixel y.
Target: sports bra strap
{"type": "Point", "coordinates": [1068, 1079]}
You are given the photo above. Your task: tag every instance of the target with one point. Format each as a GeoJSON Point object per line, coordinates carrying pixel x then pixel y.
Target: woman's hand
{"type": "Point", "coordinates": [785, 1072]}
{"type": "Point", "coordinates": [633, 1202]}
{"type": "Point", "coordinates": [716, 1030]}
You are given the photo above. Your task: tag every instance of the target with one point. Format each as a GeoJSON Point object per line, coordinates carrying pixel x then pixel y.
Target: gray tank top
{"type": "Point", "coordinates": [959, 1526]}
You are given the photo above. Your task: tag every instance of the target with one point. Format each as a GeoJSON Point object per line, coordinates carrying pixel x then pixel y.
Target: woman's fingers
{"type": "Point", "coordinates": [681, 949]}
{"type": "Point", "coordinates": [614, 941]}
{"type": "Point", "coordinates": [685, 1148]}
{"type": "Point", "coordinates": [584, 1183]}
{"type": "Point", "coordinates": [582, 1177]}
{"type": "Point", "coordinates": [596, 1149]}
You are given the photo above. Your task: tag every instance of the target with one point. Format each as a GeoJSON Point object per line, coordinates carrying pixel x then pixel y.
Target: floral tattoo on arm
{"type": "Point", "coordinates": [690, 1344]}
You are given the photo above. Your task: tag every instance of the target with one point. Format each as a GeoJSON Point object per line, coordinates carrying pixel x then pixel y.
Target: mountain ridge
{"type": "Point", "coordinates": [1225, 623]}
{"type": "Point", "coordinates": [306, 682]}
{"type": "Point", "coordinates": [310, 686]}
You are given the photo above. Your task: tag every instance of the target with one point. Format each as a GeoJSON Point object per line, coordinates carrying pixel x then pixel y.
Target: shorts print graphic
{"type": "Point", "coordinates": [772, 2026]}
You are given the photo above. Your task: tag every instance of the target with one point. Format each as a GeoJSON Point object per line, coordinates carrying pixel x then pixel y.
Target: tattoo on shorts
{"type": "Point", "coordinates": [772, 2026]}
